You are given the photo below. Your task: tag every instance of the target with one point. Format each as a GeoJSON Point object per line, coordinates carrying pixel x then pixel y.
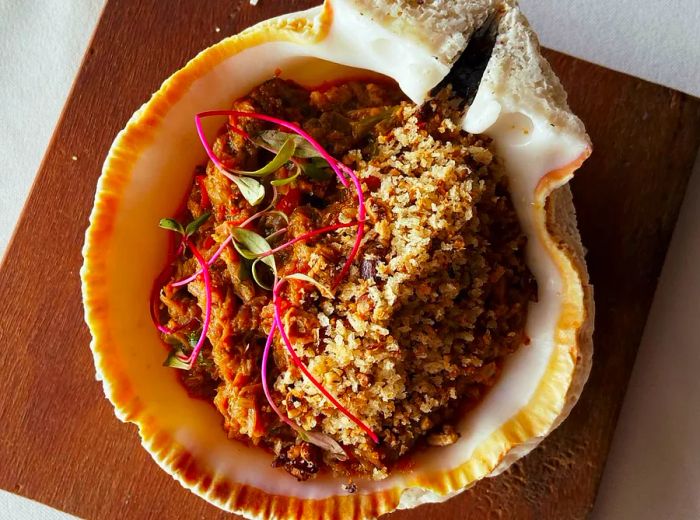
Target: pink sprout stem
{"type": "Point", "coordinates": [340, 169]}
{"type": "Point", "coordinates": [208, 297]}
{"type": "Point", "coordinates": [305, 236]}
{"type": "Point", "coordinates": [341, 172]}
{"type": "Point", "coordinates": [209, 263]}
{"type": "Point", "coordinates": [276, 234]}
{"type": "Point", "coordinates": [300, 364]}
{"type": "Point", "coordinates": [360, 224]}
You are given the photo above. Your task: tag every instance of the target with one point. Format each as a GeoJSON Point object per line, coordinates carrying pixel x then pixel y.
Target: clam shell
{"type": "Point", "coordinates": [148, 172]}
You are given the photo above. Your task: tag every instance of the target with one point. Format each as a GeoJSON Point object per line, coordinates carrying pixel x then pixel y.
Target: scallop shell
{"type": "Point", "coordinates": [520, 104]}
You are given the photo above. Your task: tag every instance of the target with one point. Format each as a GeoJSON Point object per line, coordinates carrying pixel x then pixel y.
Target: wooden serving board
{"type": "Point", "coordinates": [59, 440]}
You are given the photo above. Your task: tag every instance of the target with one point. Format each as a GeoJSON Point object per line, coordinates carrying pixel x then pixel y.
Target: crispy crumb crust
{"type": "Point", "coordinates": [551, 402]}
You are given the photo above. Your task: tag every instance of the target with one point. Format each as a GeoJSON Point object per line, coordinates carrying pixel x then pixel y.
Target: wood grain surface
{"type": "Point", "coordinates": [59, 440]}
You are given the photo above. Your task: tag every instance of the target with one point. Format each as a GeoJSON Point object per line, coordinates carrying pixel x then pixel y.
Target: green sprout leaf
{"type": "Point", "coordinates": [193, 226]}
{"type": "Point", "coordinates": [182, 348]}
{"type": "Point", "coordinates": [256, 276]}
{"type": "Point", "coordinates": [249, 244]}
{"type": "Point", "coordinates": [317, 169]}
{"type": "Point", "coordinates": [171, 225]}
{"type": "Point", "coordinates": [288, 180]}
{"type": "Point", "coordinates": [275, 140]}
{"type": "Point", "coordinates": [325, 291]}
{"type": "Point", "coordinates": [252, 190]}
{"type": "Point", "coordinates": [279, 214]}
{"type": "Point", "coordinates": [174, 360]}
{"type": "Point", "coordinates": [286, 152]}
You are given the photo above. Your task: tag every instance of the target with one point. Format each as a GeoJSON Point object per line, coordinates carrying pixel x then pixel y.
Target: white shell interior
{"type": "Point", "coordinates": [162, 177]}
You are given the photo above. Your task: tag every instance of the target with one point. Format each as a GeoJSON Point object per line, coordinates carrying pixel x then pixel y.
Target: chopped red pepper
{"type": "Point", "coordinates": [372, 183]}
{"type": "Point", "coordinates": [284, 305]}
{"type": "Point", "coordinates": [204, 200]}
{"type": "Point", "coordinates": [208, 242]}
{"type": "Point", "coordinates": [290, 201]}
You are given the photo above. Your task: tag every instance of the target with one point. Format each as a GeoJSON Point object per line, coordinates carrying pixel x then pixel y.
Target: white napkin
{"type": "Point", "coordinates": [14, 507]}
{"type": "Point", "coordinates": [41, 46]}
{"type": "Point", "coordinates": [651, 39]}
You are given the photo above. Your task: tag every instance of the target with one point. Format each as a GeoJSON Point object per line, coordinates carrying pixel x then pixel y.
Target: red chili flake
{"type": "Point", "coordinates": [372, 183]}
{"type": "Point", "coordinates": [208, 242]}
{"type": "Point", "coordinates": [278, 72]}
{"type": "Point", "coordinates": [204, 201]}
{"type": "Point", "coordinates": [290, 201]}
{"type": "Point", "coordinates": [237, 223]}
{"type": "Point", "coordinates": [284, 305]}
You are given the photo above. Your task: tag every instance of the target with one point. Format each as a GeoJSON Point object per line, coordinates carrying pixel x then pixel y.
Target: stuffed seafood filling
{"type": "Point", "coordinates": [347, 277]}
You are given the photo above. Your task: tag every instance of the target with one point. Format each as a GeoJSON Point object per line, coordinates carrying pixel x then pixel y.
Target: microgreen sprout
{"type": "Point", "coordinates": [180, 360]}
{"type": "Point", "coordinates": [341, 170]}
{"type": "Point", "coordinates": [263, 117]}
{"type": "Point", "coordinates": [251, 189]}
{"type": "Point", "coordinates": [267, 211]}
{"type": "Point", "coordinates": [283, 156]}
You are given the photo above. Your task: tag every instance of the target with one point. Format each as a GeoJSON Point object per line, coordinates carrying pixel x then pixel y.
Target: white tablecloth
{"type": "Point", "coordinates": [654, 469]}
